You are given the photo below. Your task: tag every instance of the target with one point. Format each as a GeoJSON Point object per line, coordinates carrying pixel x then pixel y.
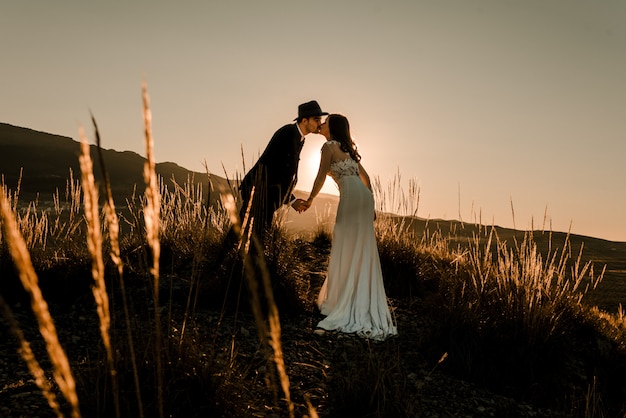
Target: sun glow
{"type": "Point", "coordinates": [307, 171]}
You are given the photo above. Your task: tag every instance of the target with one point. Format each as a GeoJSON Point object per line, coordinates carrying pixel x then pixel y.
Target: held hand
{"type": "Point", "coordinates": [300, 205]}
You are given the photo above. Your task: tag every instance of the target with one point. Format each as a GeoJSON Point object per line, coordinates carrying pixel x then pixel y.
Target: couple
{"type": "Point", "coordinates": [353, 296]}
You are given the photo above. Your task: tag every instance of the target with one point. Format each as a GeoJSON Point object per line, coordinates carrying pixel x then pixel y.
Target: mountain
{"type": "Point", "coordinates": [40, 163]}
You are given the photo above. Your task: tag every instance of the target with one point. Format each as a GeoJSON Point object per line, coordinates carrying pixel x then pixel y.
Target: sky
{"type": "Point", "coordinates": [503, 112]}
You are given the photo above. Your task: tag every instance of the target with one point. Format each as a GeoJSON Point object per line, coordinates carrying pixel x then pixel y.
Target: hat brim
{"type": "Point", "coordinates": [312, 115]}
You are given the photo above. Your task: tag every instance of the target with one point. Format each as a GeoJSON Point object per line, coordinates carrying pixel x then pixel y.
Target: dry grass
{"type": "Point", "coordinates": [62, 372]}
{"type": "Point", "coordinates": [496, 305]}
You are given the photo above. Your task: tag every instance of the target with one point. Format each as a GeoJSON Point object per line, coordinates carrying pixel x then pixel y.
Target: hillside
{"type": "Point", "coordinates": [45, 161]}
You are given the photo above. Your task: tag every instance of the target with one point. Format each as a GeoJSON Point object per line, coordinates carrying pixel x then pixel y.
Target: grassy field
{"type": "Point", "coordinates": [144, 312]}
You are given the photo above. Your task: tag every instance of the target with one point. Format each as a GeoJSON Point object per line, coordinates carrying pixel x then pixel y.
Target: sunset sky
{"type": "Point", "coordinates": [487, 104]}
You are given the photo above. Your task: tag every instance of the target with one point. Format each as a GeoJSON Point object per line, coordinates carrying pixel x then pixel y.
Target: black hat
{"type": "Point", "coordinates": [310, 109]}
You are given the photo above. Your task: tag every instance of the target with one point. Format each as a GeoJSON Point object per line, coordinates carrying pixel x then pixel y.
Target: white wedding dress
{"type": "Point", "coordinates": [353, 295]}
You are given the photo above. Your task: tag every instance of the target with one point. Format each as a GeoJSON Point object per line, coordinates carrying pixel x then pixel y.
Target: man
{"type": "Point", "coordinates": [275, 174]}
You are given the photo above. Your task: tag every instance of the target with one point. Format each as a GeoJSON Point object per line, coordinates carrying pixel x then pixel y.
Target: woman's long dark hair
{"type": "Point", "coordinates": [339, 129]}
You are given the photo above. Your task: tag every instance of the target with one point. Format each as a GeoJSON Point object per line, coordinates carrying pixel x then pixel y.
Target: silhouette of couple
{"type": "Point", "coordinates": [352, 297]}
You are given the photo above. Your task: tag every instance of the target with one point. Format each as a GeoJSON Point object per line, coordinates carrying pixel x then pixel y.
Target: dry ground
{"type": "Point", "coordinates": [317, 367]}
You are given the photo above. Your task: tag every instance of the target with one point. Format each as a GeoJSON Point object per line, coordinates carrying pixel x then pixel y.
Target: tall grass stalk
{"type": "Point", "coordinates": [94, 244]}
{"type": "Point", "coordinates": [31, 361]}
{"type": "Point", "coordinates": [275, 337]}
{"type": "Point", "coordinates": [21, 258]}
{"type": "Point", "coordinates": [393, 198]}
{"type": "Point", "coordinates": [525, 284]}
{"type": "Point", "coordinates": [113, 226]}
{"type": "Point", "coordinates": [189, 227]}
{"type": "Point", "coordinates": [13, 197]}
{"type": "Point", "coordinates": [252, 265]}
{"type": "Point", "coordinates": [51, 233]}
{"type": "Point", "coordinates": [152, 224]}
{"type": "Point", "coordinates": [513, 295]}
{"type": "Point", "coordinates": [396, 209]}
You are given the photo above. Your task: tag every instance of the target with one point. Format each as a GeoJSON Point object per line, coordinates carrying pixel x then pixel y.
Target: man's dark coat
{"type": "Point", "coordinates": [274, 176]}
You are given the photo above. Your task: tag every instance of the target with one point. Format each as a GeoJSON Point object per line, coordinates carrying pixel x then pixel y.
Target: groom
{"type": "Point", "coordinates": [275, 174]}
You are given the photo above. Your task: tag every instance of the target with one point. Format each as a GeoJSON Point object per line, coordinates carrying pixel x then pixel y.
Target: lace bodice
{"type": "Point", "coordinates": [347, 167]}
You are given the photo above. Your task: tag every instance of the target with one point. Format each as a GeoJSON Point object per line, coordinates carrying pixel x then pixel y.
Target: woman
{"type": "Point", "coordinates": [353, 295]}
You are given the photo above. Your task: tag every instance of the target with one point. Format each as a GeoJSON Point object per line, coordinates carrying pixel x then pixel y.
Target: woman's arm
{"type": "Point", "coordinates": [321, 173]}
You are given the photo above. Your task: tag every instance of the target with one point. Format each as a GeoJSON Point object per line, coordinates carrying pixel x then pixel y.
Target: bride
{"type": "Point", "coordinates": [353, 295]}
